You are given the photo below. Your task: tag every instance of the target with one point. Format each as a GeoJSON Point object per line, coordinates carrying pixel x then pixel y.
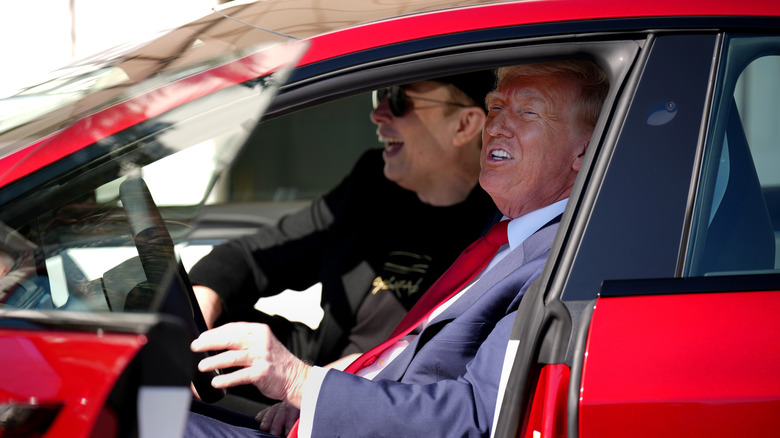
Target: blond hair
{"type": "Point", "coordinates": [592, 80]}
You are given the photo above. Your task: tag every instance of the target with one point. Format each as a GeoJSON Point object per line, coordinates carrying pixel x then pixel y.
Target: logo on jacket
{"type": "Point", "coordinates": [402, 274]}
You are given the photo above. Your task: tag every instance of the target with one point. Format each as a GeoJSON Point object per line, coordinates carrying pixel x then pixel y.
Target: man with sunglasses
{"type": "Point", "coordinates": [378, 239]}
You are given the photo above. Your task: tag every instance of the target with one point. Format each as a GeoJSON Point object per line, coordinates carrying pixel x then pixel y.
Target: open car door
{"type": "Point", "coordinates": [96, 313]}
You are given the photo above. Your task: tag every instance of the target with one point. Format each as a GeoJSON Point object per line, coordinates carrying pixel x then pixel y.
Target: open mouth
{"type": "Point", "coordinates": [500, 155]}
{"type": "Point", "coordinates": [392, 145]}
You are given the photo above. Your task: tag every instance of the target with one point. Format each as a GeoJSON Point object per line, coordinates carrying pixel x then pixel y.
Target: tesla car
{"type": "Point", "coordinates": [657, 311]}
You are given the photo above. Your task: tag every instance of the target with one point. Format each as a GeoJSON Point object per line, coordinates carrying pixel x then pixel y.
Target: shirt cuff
{"type": "Point", "coordinates": [311, 390]}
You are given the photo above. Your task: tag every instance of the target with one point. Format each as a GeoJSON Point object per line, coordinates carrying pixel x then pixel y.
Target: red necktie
{"type": "Point", "coordinates": [470, 263]}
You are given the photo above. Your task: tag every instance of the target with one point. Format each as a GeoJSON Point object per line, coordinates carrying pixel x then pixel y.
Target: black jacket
{"type": "Point", "coordinates": [373, 245]}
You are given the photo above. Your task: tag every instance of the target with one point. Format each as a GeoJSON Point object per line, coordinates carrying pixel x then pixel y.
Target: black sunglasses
{"type": "Point", "coordinates": [398, 100]}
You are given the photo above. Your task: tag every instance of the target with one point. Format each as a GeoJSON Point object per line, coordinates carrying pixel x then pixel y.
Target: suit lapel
{"type": "Point", "coordinates": [531, 248]}
{"type": "Point", "coordinates": [503, 268]}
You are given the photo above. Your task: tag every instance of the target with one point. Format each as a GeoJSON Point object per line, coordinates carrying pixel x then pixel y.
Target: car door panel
{"type": "Point", "coordinates": [68, 375]}
{"type": "Point", "coordinates": [636, 383]}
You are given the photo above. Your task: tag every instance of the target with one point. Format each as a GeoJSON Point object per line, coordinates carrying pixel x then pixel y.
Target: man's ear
{"type": "Point", "coordinates": [577, 163]}
{"type": "Point", "coordinates": [471, 120]}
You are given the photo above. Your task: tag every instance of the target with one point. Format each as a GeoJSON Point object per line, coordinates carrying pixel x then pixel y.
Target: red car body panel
{"type": "Point", "coordinates": [547, 416]}
{"type": "Point", "coordinates": [497, 15]}
{"type": "Point", "coordinates": [682, 358]}
{"type": "Point", "coordinates": [74, 371]}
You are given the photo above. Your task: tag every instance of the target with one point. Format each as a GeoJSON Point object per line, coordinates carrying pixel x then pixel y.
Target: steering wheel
{"type": "Point", "coordinates": [155, 250]}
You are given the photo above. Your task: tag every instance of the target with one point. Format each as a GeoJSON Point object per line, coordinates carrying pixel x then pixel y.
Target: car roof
{"type": "Point", "coordinates": [321, 20]}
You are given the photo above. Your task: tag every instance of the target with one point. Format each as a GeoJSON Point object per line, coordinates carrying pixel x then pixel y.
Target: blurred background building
{"type": "Point", "coordinates": [39, 36]}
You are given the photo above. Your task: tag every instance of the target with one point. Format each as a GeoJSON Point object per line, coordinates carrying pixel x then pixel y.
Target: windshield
{"type": "Point", "coordinates": [83, 231]}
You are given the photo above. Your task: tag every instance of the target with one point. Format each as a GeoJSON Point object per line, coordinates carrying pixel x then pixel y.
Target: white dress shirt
{"type": "Point", "coordinates": [518, 230]}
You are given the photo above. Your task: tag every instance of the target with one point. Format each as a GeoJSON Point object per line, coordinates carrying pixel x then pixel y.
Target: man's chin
{"type": "Point", "coordinates": [396, 175]}
{"type": "Point", "coordinates": [390, 174]}
{"type": "Point", "coordinates": [488, 181]}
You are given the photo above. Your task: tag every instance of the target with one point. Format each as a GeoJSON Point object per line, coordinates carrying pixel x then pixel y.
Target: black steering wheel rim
{"type": "Point", "coordinates": [156, 253]}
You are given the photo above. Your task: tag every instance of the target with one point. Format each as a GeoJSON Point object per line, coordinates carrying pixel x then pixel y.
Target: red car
{"type": "Point", "coordinates": [657, 311]}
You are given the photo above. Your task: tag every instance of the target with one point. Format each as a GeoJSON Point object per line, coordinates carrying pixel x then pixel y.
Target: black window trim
{"type": "Point", "coordinates": [704, 135]}
{"type": "Point", "coordinates": [691, 285]}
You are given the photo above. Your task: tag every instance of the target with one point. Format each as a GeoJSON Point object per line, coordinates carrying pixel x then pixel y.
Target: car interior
{"type": "Point", "coordinates": [739, 236]}
{"type": "Point", "coordinates": [736, 230]}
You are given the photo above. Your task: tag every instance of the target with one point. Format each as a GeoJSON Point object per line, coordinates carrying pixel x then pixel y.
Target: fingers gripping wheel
{"type": "Point", "coordinates": [155, 250]}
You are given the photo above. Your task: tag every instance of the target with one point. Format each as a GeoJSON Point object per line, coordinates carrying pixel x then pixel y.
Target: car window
{"type": "Point", "coordinates": [89, 238]}
{"type": "Point", "coordinates": [736, 222]}
{"type": "Point", "coordinates": [301, 155]}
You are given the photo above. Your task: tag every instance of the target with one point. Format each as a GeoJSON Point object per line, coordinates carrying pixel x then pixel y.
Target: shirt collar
{"type": "Point", "coordinates": [522, 227]}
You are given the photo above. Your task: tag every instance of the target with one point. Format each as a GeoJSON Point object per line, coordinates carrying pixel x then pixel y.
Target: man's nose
{"type": "Point", "coordinates": [381, 114]}
{"type": "Point", "coordinates": [495, 125]}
